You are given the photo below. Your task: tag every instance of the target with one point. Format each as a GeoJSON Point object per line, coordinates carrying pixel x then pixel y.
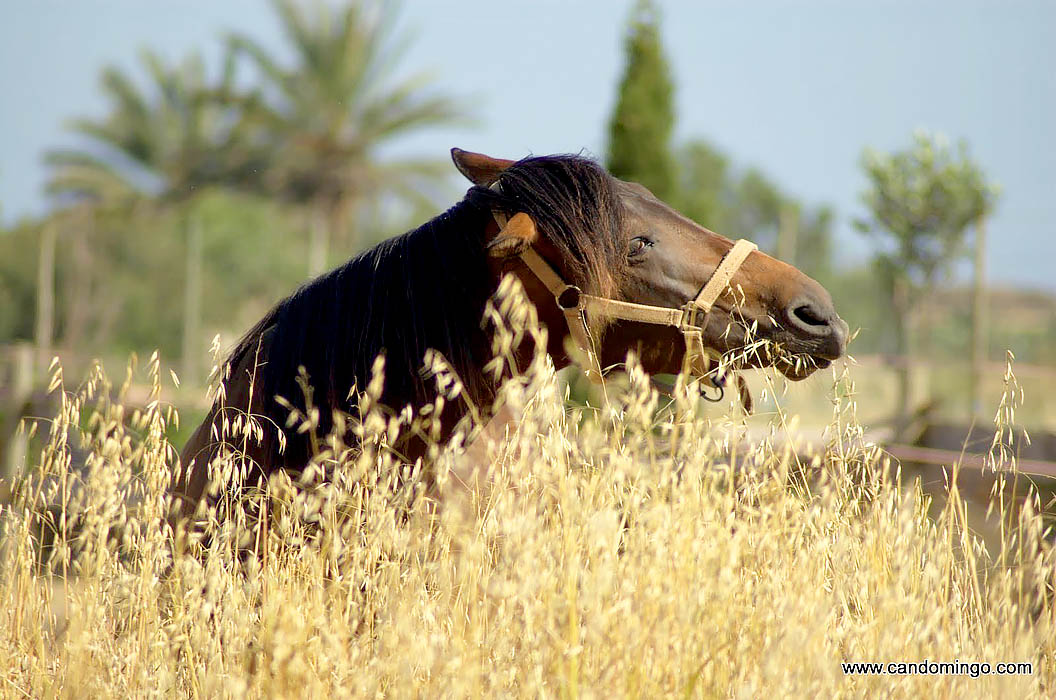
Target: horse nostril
{"type": "Point", "coordinates": [808, 315]}
{"type": "Point", "coordinates": [817, 323]}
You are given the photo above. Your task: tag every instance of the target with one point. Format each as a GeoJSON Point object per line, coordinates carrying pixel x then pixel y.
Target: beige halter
{"type": "Point", "coordinates": [689, 319]}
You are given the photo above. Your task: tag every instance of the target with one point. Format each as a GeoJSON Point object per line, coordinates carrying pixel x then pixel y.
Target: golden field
{"type": "Point", "coordinates": [637, 549]}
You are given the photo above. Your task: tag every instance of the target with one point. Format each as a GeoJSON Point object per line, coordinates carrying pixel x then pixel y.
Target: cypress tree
{"type": "Point", "coordinates": [641, 124]}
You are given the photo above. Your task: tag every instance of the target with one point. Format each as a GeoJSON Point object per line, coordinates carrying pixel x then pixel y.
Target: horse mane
{"type": "Point", "coordinates": [576, 207]}
{"type": "Point", "coordinates": [426, 289]}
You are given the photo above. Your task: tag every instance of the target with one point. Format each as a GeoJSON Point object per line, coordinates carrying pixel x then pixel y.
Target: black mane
{"type": "Point", "coordinates": [576, 207]}
{"type": "Point", "coordinates": [426, 289]}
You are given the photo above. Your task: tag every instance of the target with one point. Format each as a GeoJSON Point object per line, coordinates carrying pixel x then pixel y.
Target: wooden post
{"type": "Point", "coordinates": [192, 301]}
{"type": "Point", "coordinates": [980, 331]}
{"type": "Point", "coordinates": [45, 322]}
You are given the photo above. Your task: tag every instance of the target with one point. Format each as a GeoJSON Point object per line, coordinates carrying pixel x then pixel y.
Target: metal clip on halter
{"type": "Point", "coordinates": [571, 302]}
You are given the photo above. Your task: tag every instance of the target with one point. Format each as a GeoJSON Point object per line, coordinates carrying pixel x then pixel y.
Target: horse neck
{"type": "Point", "coordinates": [424, 290]}
{"type": "Point", "coordinates": [433, 284]}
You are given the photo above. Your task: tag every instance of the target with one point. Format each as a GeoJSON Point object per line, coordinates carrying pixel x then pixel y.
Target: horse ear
{"type": "Point", "coordinates": [478, 168]}
{"type": "Point", "coordinates": [514, 238]}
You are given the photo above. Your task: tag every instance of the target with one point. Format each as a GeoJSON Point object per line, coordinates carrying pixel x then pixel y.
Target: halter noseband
{"type": "Point", "coordinates": [689, 319]}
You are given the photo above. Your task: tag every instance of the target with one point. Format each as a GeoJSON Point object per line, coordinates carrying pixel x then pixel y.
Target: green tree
{"type": "Point", "coordinates": [156, 150]}
{"type": "Point", "coordinates": [748, 204]}
{"type": "Point", "coordinates": [19, 255]}
{"type": "Point", "coordinates": [703, 187]}
{"type": "Point", "coordinates": [920, 201]}
{"type": "Point", "coordinates": [754, 209]}
{"type": "Point", "coordinates": [324, 121]}
{"type": "Point", "coordinates": [697, 178]}
{"type": "Point", "coordinates": [641, 125]}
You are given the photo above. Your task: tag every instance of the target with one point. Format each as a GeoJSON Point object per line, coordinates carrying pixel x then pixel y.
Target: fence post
{"type": "Point", "coordinates": [22, 388]}
{"type": "Point", "coordinates": [787, 232]}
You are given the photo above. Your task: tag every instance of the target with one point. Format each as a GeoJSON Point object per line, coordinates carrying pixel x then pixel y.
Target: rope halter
{"type": "Point", "coordinates": [690, 319]}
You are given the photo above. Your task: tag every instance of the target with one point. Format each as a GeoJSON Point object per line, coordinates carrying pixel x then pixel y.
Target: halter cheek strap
{"type": "Point", "coordinates": [573, 304]}
{"type": "Point", "coordinates": [690, 319]}
{"type": "Point", "coordinates": [695, 312]}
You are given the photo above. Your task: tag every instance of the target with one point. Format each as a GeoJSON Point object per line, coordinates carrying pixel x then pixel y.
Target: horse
{"type": "Point", "coordinates": [607, 265]}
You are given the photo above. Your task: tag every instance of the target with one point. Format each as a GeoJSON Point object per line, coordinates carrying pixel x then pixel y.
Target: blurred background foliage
{"type": "Point", "coordinates": [200, 199]}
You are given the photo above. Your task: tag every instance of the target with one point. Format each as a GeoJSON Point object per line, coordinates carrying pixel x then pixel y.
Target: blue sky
{"type": "Point", "coordinates": [795, 88]}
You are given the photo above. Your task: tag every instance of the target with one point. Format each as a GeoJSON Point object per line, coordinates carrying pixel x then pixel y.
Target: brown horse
{"type": "Point", "coordinates": [427, 289]}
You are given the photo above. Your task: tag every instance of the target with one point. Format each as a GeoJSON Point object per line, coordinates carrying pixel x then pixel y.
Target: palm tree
{"type": "Point", "coordinates": [156, 150]}
{"type": "Point", "coordinates": [324, 120]}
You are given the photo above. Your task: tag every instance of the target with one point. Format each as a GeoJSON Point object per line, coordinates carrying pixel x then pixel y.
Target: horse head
{"type": "Point", "coordinates": [614, 241]}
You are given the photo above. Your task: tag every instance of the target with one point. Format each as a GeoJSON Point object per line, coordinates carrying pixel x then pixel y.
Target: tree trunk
{"type": "Point", "coordinates": [192, 300]}
{"type": "Point", "coordinates": [903, 346]}
{"type": "Point", "coordinates": [980, 332]}
{"type": "Point", "coordinates": [46, 295]}
{"type": "Point", "coordinates": [318, 241]}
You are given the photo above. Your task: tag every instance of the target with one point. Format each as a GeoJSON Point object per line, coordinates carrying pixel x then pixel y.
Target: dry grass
{"type": "Point", "coordinates": [630, 552]}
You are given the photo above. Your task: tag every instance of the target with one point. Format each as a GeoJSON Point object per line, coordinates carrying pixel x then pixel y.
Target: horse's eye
{"type": "Point", "coordinates": [638, 246]}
